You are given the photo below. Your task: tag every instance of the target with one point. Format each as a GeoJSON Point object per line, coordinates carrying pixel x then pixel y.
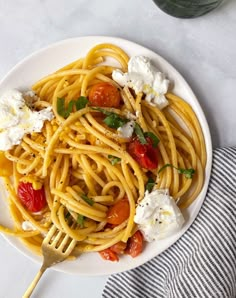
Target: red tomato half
{"type": "Point", "coordinates": [145, 154]}
{"type": "Point", "coordinates": [135, 244]}
{"type": "Point", "coordinates": [118, 212]}
{"type": "Point", "coordinates": [109, 255]}
{"type": "Point", "coordinates": [33, 200]}
{"type": "Point", "coordinates": [104, 95]}
{"type": "Point", "coordinates": [119, 247]}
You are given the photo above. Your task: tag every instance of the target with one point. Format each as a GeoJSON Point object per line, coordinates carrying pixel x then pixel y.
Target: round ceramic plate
{"type": "Point", "coordinates": [46, 61]}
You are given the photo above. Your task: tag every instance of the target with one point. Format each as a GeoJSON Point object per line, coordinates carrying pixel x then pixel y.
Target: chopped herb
{"type": "Point", "coordinates": [80, 220]}
{"type": "Point", "coordinates": [154, 138]}
{"type": "Point", "coordinates": [80, 103]}
{"type": "Point", "coordinates": [114, 159]}
{"type": "Point", "coordinates": [61, 106]}
{"type": "Point", "coordinates": [69, 109]}
{"type": "Point", "coordinates": [87, 200]}
{"type": "Point", "coordinates": [105, 112]}
{"type": "Point", "coordinates": [187, 172]}
{"type": "Point", "coordinates": [112, 120]}
{"type": "Point", "coordinates": [67, 215]}
{"type": "Point", "coordinates": [150, 184]}
{"type": "Point", "coordinates": [143, 135]}
{"type": "Point", "coordinates": [139, 132]}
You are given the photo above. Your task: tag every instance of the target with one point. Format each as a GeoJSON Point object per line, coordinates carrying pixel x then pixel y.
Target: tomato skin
{"type": "Point", "coordinates": [109, 255]}
{"type": "Point", "coordinates": [135, 244]}
{"type": "Point", "coordinates": [118, 212]}
{"type": "Point", "coordinates": [145, 154]}
{"type": "Point", "coordinates": [119, 247]}
{"type": "Point", "coordinates": [104, 95]}
{"type": "Point", "coordinates": [33, 200]}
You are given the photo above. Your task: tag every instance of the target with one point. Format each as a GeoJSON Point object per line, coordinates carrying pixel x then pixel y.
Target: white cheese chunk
{"type": "Point", "coordinates": [158, 216]}
{"type": "Point", "coordinates": [142, 76]}
{"type": "Point", "coordinates": [127, 129]}
{"type": "Point", "coordinates": [17, 119]}
{"type": "Point", "coordinates": [28, 226]}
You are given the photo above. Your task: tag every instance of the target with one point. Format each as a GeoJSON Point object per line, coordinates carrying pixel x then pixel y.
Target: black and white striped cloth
{"type": "Point", "coordinates": [202, 263]}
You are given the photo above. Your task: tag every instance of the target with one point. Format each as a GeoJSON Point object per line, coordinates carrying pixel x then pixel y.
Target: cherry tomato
{"type": "Point", "coordinates": [104, 95]}
{"type": "Point", "coordinates": [118, 212]}
{"type": "Point", "coordinates": [33, 200]}
{"type": "Point", "coordinates": [109, 255]}
{"type": "Point", "coordinates": [135, 244]}
{"type": "Point", "coordinates": [119, 247]}
{"type": "Point", "coordinates": [145, 154]}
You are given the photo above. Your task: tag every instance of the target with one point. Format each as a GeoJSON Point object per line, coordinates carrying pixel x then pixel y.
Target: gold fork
{"type": "Point", "coordinates": [56, 247]}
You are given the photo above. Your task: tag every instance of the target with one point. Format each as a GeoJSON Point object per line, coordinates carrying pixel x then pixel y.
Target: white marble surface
{"type": "Point", "coordinates": [202, 49]}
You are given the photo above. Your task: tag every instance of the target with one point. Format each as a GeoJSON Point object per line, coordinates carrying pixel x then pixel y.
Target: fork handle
{"type": "Point", "coordinates": [34, 282]}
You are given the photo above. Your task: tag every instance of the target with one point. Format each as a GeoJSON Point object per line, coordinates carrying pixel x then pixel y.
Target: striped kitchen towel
{"type": "Point", "coordinates": [202, 263]}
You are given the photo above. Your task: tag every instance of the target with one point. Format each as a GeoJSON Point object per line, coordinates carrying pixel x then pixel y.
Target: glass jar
{"type": "Point", "coordinates": [187, 8]}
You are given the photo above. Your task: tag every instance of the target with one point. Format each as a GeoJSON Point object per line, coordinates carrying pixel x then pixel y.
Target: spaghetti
{"type": "Point", "coordinates": [84, 165]}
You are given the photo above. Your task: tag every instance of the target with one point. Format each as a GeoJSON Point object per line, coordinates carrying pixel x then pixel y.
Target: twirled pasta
{"type": "Point", "coordinates": [70, 156]}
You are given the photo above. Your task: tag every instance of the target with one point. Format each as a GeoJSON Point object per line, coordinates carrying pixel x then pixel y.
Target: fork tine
{"type": "Point", "coordinates": [64, 242]}
{"type": "Point", "coordinates": [56, 246]}
{"type": "Point", "coordinates": [71, 246]}
{"type": "Point", "coordinates": [54, 242]}
{"type": "Point", "coordinates": [50, 233]}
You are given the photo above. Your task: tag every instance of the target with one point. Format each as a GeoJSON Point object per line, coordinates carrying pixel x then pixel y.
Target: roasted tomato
{"type": "Point", "coordinates": [33, 199]}
{"type": "Point", "coordinates": [109, 255]}
{"type": "Point", "coordinates": [119, 247]}
{"type": "Point", "coordinates": [104, 95]}
{"type": "Point", "coordinates": [135, 244]}
{"type": "Point", "coordinates": [118, 212]}
{"type": "Point", "coordinates": [146, 155]}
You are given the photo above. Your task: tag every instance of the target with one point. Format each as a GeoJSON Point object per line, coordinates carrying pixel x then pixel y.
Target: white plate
{"type": "Point", "coordinates": [47, 60]}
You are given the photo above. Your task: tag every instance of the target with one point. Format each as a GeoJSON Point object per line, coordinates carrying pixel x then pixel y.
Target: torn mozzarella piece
{"type": "Point", "coordinates": [158, 216]}
{"type": "Point", "coordinates": [142, 76]}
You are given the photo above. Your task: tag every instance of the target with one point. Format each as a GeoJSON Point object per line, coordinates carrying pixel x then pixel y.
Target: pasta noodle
{"type": "Point", "coordinates": [71, 157]}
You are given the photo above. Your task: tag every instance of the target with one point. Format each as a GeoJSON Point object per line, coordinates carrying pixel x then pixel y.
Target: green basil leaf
{"type": "Point", "coordinates": [81, 103]}
{"type": "Point", "coordinates": [114, 159]}
{"type": "Point", "coordinates": [187, 172]}
{"type": "Point", "coordinates": [112, 120]}
{"type": "Point", "coordinates": [61, 106]}
{"type": "Point", "coordinates": [105, 112]}
{"type": "Point", "coordinates": [80, 220]}
{"type": "Point", "coordinates": [150, 184]}
{"type": "Point", "coordinates": [139, 132]}
{"type": "Point", "coordinates": [87, 200]}
{"type": "Point", "coordinates": [69, 109]}
{"type": "Point", "coordinates": [154, 138]}
{"type": "Point", "coordinates": [165, 166]}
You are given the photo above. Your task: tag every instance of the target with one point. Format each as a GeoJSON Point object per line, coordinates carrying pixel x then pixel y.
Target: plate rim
{"type": "Point", "coordinates": [204, 125]}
